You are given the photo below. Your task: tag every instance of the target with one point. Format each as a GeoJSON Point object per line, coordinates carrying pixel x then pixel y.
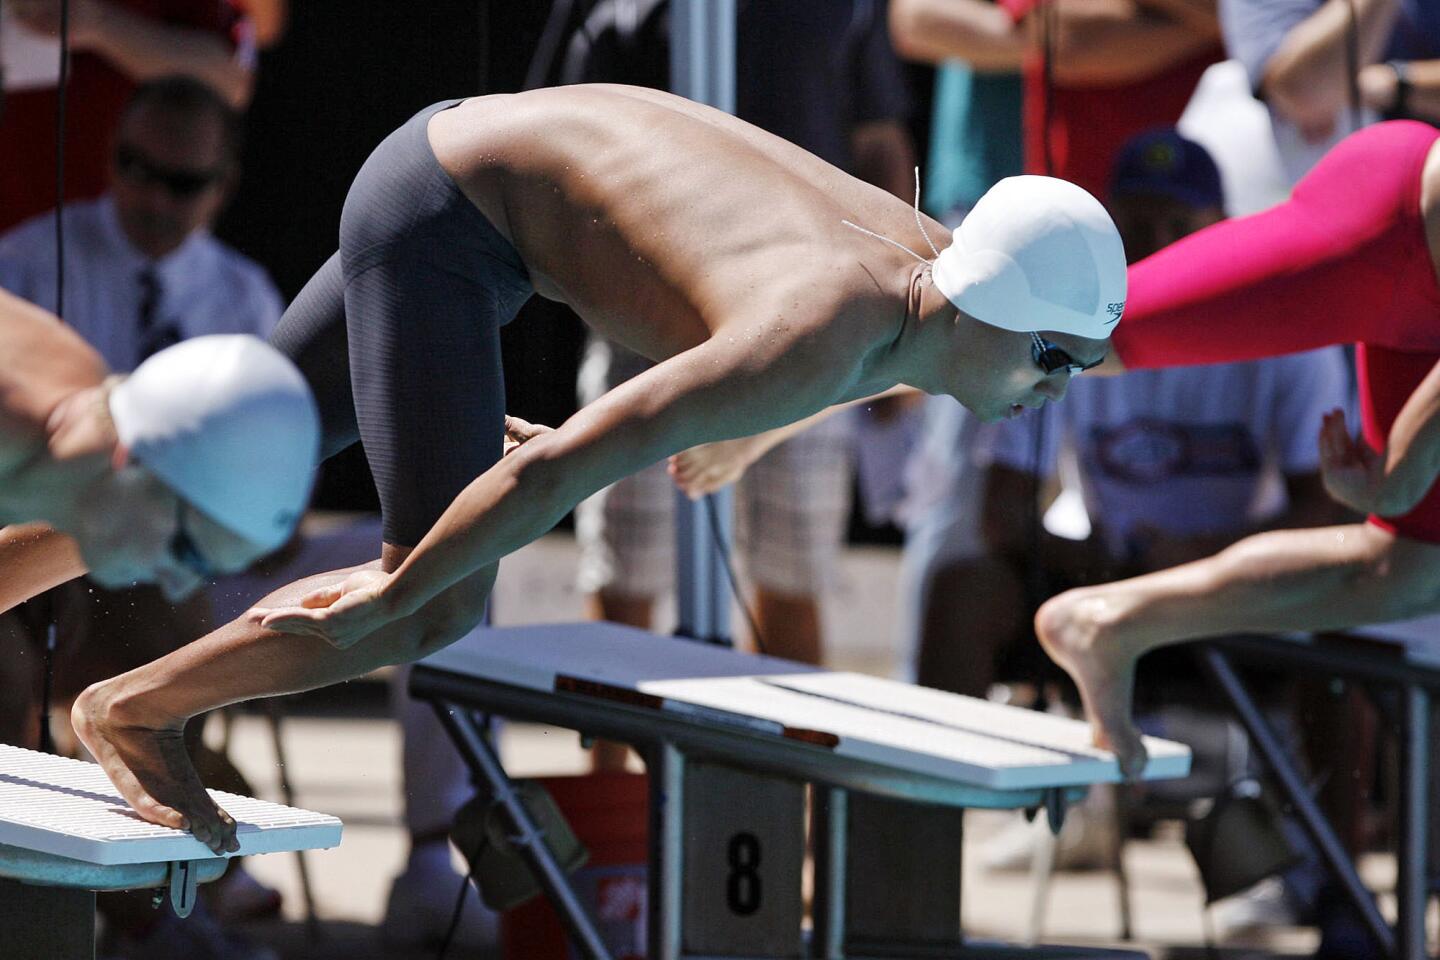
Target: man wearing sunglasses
{"type": "Point", "coordinates": [143, 270]}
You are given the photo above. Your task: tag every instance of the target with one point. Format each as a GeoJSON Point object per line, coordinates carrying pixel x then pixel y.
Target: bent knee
{"type": "Point", "coordinates": [1409, 569]}
{"type": "Point", "coordinates": [452, 614]}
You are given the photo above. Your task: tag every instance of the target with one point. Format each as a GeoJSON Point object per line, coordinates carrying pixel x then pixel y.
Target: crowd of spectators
{"type": "Point", "coordinates": [1176, 113]}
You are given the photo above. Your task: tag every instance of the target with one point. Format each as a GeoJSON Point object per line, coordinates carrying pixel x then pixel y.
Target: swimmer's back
{"type": "Point", "coordinates": [629, 203]}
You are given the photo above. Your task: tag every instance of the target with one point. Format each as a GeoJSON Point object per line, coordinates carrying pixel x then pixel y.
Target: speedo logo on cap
{"type": "Point", "coordinates": [1115, 310]}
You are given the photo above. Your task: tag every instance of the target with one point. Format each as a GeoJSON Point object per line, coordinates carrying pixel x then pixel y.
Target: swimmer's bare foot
{"type": "Point", "coordinates": [701, 471]}
{"type": "Point", "coordinates": [147, 762]}
{"type": "Point", "coordinates": [1074, 629]}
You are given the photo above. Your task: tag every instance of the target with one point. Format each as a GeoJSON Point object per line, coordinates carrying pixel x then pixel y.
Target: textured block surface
{"type": "Point", "coordinates": [897, 725]}
{"type": "Point", "coordinates": [69, 808]}
{"type": "Point", "coordinates": [975, 743]}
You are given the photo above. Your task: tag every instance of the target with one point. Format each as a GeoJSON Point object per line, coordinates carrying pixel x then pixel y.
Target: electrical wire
{"type": "Point", "coordinates": [722, 548]}
{"type": "Point", "coordinates": [60, 98]}
{"type": "Point", "coordinates": [460, 898]}
{"type": "Point", "coordinates": [1035, 585]}
{"type": "Point", "coordinates": [47, 688]}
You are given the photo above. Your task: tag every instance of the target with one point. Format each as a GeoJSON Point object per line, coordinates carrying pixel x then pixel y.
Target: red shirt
{"type": "Point", "coordinates": [97, 94]}
{"type": "Point", "coordinates": [1089, 125]}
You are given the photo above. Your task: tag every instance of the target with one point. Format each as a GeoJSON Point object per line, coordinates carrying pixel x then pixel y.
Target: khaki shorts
{"type": "Point", "coordinates": [791, 508]}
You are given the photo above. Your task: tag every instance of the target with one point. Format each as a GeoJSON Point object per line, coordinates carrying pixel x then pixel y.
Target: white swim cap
{"type": "Point", "coordinates": [1037, 253]}
{"type": "Point", "coordinates": [229, 424]}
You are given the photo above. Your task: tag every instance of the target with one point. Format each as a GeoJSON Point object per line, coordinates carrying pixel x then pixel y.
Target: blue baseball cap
{"type": "Point", "coordinates": [1162, 162]}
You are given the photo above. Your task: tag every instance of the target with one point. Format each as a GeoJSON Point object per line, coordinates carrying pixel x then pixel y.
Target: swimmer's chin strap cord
{"type": "Point", "coordinates": [895, 243]}
{"type": "Point", "coordinates": [47, 744]}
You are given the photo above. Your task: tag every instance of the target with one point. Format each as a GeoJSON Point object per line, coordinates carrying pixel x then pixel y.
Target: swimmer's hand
{"type": "Point", "coordinates": [340, 614]}
{"type": "Point", "coordinates": [518, 431]}
{"type": "Point", "coordinates": [702, 470]}
{"type": "Point", "coordinates": [1354, 474]}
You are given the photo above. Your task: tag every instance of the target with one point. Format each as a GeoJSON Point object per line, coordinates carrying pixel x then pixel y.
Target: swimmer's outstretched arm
{"type": "Point", "coordinates": [726, 387]}
{"type": "Point", "coordinates": [133, 723]}
{"type": "Point", "coordinates": [34, 558]}
{"type": "Point", "coordinates": [707, 468]}
{"type": "Point", "coordinates": [1389, 482]}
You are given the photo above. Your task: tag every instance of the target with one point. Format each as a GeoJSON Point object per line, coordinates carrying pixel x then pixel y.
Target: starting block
{"type": "Point", "coordinates": [65, 833]}
{"type": "Point", "coordinates": [731, 742]}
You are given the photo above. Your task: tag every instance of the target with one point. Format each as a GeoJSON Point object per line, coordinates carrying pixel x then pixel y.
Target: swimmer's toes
{"type": "Point", "coordinates": [1117, 734]}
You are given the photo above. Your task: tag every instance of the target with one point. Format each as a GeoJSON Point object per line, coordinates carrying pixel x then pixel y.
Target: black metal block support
{"type": "Point", "coordinates": [485, 767]}
{"type": "Point", "coordinates": [46, 923]}
{"type": "Point", "coordinates": [1297, 792]}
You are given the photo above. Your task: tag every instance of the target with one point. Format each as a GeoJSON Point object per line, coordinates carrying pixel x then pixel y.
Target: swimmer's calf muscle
{"type": "Point", "coordinates": [35, 558]}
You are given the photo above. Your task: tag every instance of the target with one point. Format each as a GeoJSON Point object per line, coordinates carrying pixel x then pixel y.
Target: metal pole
{"type": "Point", "coordinates": [702, 68]}
{"type": "Point", "coordinates": [527, 838]}
{"type": "Point", "coordinates": [832, 816]}
{"type": "Point", "coordinates": [702, 51]}
{"type": "Point", "coordinates": [1331, 850]}
{"type": "Point", "coordinates": [1410, 886]}
{"type": "Point", "coordinates": [666, 768]}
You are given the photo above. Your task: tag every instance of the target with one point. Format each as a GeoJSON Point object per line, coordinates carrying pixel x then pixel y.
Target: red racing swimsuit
{"type": "Point", "coordinates": [1344, 260]}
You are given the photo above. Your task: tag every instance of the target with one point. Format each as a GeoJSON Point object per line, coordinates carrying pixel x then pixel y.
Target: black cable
{"type": "Point", "coordinates": [60, 158]}
{"type": "Point", "coordinates": [465, 881]}
{"type": "Point", "coordinates": [46, 743]}
{"type": "Point", "coordinates": [459, 910]}
{"type": "Point", "coordinates": [723, 549]}
{"type": "Point", "coordinates": [1035, 581]}
{"type": "Point", "coordinates": [47, 689]}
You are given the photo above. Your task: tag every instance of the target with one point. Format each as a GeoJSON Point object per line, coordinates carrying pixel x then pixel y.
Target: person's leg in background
{"type": "Point", "coordinates": [626, 532]}
{"type": "Point", "coordinates": [626, 535]}
{"type": "Point", "coordinates": [436, 784]}
{"type": "Point", "coordinates": [791, 512]}
{"type": "Point", "coordinates": [974, 611]}
{"type": "Point", "coordinates": [961, 609]}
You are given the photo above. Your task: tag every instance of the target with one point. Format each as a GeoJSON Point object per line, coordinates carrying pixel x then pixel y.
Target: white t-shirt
{"type": "Point", "coordinates": [1188, 450]}
{"type": "Point", "coordinates": [1226, 120]}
